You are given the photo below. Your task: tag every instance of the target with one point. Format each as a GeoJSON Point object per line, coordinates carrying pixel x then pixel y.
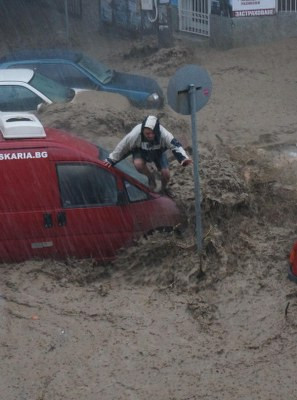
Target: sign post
{"type": "Point", "coordinates": [188, 91]}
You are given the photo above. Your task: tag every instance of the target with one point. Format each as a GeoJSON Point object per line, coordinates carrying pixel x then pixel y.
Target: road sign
{"type": "Point", "coordinates": [188, 91]}
{"type": "Point", "coordinates": [178, 89]}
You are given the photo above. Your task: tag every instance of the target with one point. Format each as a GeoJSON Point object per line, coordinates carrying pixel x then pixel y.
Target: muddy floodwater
{"type": "Point", "coordinates": [162, 321]}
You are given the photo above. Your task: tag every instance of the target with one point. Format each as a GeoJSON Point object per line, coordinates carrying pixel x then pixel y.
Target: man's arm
{"type": "Point", "coordinates": [175, 146]}
{"type": "Point", "coordinates": [124, 147]}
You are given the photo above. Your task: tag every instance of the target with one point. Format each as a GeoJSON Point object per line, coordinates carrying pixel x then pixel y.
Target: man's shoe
{"type": "Point", "coordinates": [168, 192]}
{"type": "Point", "coordinates": [152, 184]}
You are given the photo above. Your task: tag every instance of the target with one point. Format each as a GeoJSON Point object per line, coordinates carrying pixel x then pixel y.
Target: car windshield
{"type": "Point", "coordinates": [53, 90]}
{"type": "Point", "coordinates": [98, 70]}
{"type": "Point", "coordinates": [124, 166]}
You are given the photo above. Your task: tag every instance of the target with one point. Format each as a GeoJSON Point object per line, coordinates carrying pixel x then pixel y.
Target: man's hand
{"type": "Point", "coordinates": [107, 163]}
{"type": "Point", "coordinates": [186, 162]}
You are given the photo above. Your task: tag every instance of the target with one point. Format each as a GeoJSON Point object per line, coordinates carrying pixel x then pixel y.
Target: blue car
{"type": "Point", "coordinates": [76, 70]}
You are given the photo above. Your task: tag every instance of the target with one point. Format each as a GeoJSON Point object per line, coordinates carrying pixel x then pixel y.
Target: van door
{"type": "Point", "coordinates": [58, 210]}
{"type": "Point", "coordinates": [28, 190]}
{"type": "Point", "coordinates": [149, 213]}
{"type": "Point", "coordinates": [90, 223]}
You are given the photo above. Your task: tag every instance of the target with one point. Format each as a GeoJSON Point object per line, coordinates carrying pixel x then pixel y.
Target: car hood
{"type": "Point", "coordinates": [135, 82]}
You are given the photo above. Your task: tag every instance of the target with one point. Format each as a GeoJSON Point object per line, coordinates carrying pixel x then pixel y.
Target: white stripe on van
{"type": "Point", "coordinates": [40, 245]}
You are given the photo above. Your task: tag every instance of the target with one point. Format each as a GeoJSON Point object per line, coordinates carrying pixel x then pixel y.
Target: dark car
{"type": "Point", "coordinates": [76, 70]}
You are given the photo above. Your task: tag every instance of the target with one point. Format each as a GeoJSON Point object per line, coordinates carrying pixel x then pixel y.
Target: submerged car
{"type": "Point", "coordinates": [59, 200]}
{"type": "Point", "coordinates": [26, 90]}
{"type": "Point", "coordinates": [292, 273]}
{"type": "Point", "coordinates": [76, 70]}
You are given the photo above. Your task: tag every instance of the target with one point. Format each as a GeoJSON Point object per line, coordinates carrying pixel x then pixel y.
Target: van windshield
{"type": "Point", "coordinates": [124, 166]}
{"type": "Point", "coordinates": [53, 90]}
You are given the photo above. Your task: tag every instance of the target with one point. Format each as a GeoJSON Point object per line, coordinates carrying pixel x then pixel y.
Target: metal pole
{"type": "Point", "coordinates": [66, 19]}
{"type": "Point", "coordinates": [192, 93]}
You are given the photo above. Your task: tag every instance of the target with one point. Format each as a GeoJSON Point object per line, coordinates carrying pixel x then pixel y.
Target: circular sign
{"type": "Point", "coordinates": [189, 77]}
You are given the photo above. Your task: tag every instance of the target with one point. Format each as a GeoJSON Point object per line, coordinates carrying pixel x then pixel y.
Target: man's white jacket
{"type": "Point", "coordinates": [135, 140]}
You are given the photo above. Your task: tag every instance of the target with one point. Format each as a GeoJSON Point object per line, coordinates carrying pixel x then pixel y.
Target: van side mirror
{"type": "Point", "coordinates": [122, 198]}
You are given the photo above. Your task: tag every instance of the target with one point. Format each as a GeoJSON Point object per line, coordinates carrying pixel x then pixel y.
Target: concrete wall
{"type": "Point", "coordinates": [244, 31]}
{"type": "Point", "coordinates": [225, 32]}
{"type": "Point", "coordinates": [90, 15]}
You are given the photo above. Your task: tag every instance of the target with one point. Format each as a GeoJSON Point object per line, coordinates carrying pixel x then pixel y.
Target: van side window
{"type": "Point", "coordinates": [134, 193]}
{"type": "Point", "coordinates": [84, 185]}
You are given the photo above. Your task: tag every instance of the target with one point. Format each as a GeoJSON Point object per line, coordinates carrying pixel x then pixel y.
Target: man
{"type": "Point", "coordinates": [148, 142]}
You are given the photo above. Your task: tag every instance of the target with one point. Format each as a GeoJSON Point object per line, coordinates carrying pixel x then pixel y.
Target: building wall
{"type": "Point", "coordinates": [244, 31]}
{"type": "Point", "coordinates": [90, 14]}
{"type": "Point", "coordinates": [225, 32]}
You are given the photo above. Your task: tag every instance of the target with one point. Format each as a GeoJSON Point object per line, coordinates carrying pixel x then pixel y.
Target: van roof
{"type": "Point", "coordinates": [16, 74]}
{"type": "Point", "coordinates": [24, 131]}
{"type": "Point", "coordinates": [20, 126]}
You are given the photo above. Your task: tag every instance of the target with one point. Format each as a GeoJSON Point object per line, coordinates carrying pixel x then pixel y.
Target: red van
{"type": "Point", "coordinates": [58, 200]}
